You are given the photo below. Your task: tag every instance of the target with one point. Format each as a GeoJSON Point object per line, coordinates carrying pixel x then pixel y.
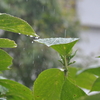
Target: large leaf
{"type": "Point", "coordinates": [91, 97]}
{"type": "Point", "coordinates": [61, 45]}
{"type": "Point", "coordinates": [51, 84]}
{"type": "Point", "coordinates": [16, 91]}
{"type": "Point", "coordinates": [7, 43]}
{"type": "Point", "coordinates": [14, 24]}
{"type": "Point", "coordinates": [5, 60]}
{"type": "Point", "coordinates": [84, 80]}
{"type": "Point", "coordinates": [96, 85]}
{"type": "Point", "coordinates": [94, 70]}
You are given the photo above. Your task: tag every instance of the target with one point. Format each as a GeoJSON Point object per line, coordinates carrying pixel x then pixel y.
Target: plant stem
{"type": "Point", "coordinates": [66, 65]}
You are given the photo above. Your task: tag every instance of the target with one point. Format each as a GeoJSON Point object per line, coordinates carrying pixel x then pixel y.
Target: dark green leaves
{"type": "Point", "coordinates": [15, 91]}
{"type": "Point", "coordinates": [14, 24]}
{"type": "Point", "coordinates": [5, 60]}
{"type": "Point", "coordinates": [6, 43]}
{"type": "Point", "coordinates": [61, 45]}
{"type": "Point", "coordinates": [52, 84]}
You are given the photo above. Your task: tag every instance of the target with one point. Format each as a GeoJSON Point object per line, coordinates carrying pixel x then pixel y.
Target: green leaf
{"type": "Point", "coordinates": [16, 91]}
{"type": "Point", "coordinates": [96, 85]}
{"type": "Point", "coordinates": [84, 80]}
{"type": "Point", "coordinates": [14, 24]}
{"type": "Point", "coordinates": [71, 91]}
{"type": "Point", "coordinates": [95, 71]}
{"type": "Point", "coordinates": [91, 97]}
{"type": "Point", "coordinates": [5, 60]}
{"type": "Point", "coordinates": [51, 84]}
{"type": "Point", "coordinates": [61, 45]}
{"type": "Point", "coordinates": [7, 43]}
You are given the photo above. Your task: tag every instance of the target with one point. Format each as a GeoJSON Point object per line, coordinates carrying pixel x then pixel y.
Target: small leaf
{"type": "Point", "coordinates": [51, 84]}
{"type": "Point", "coordinates": [61, 45]}
{"type": "Point", "coordinates": [16, 91]}
{"type": "Point", "coordinates": [5, 60]}
{"type": "Point", "coordinates": [91, 97]}
{"type": "Point", "coordinates": [94, 70]}
{"type": "Point", "coordinates": [14, 24]}
{"type": "Point", "coordinates": [96, 85]}
{"type": "Point", "coordinates": [7, 43]}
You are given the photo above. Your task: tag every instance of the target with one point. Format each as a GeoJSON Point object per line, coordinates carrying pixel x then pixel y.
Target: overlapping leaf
{"type": "Point", "coordinates": [5, 60]}
{"type": "Point", "coordinates": [61, 45]}
{"type": "Point", "coordinates": [91, 97]}
{"type": "Point", "coordinates": [96, 85]}
{"type": "Point", "coordinates": [7, 43]}
{"type": "Point", "coordinates": [14, 24]}
{"type": "Point", "coordinates": [94, 70]}
{"type": "Point", "coordinates": [16, 91]}
{"type": "Point", "coordinates": [84, 80]}
{"type": "Point", "coordinates": [53, 85]}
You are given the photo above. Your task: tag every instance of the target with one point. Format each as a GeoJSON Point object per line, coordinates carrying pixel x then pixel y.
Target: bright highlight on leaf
{"type": "Point", "coordinates": [61, 45]}
{"type": "Point", "coordinates": [14, 24]}
{"type": "Point", "coordinates": [7, 43]}
{"type": "Point", "coordinates": [5, 60]}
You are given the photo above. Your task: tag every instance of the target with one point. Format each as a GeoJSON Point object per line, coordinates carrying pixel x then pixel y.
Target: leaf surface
{"type": "Point", "coordinates": [94, 70]}
{"type": "Point", "coordinates": [14, 24]}
{"type": "Point", "coordinates": [5, 60]}
{"type": "Point", "coordinates": [84, 80]}
{"type": "Point", "coordinates": [7, 43]}
{"type": "Point", "coordinates": [61, 45]}
{"type": "Point", "coordinates": [52, 84]}
{"type": "Point", "coordinates": [96, 85]}
{"type": "Point", "coordinates": [16, 91]}
{"type": "Point", "coordinates": [91, 97]}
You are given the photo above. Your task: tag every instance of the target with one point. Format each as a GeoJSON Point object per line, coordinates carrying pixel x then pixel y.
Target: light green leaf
{"type": "Point", "coordinates": [51, 84]}
{"type": "Point", "coordinates": [94, 70]}
{"type": "Point", "coordinates": [14, 24]}
{"type": "Point", "coordinates": [7, 43]}
{"type": "Point", "coordinates": [91, 97]}
{"type": "Point", "coordinates": [5, 60]}
{"type": "Point", "coordinates": [96, 85]}
{"type": "Point", "coordinates": [61, 45]}
{"type": "Point", "coordinates": [70, 91]}
{"type": "Point", "coordinates": [84, 80]}
{"type": "Point", "coordinates": [16, 91]}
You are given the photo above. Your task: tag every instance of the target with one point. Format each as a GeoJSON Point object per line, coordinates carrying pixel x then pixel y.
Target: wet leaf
{"type": "Point", "coordinates": [52, 84]}
{"type": "Point", "coordinates": [16, 91]}
{"type": "Point", "coordinates": [5, 60]}
{"type": "Point", "coordinates": [61, 45]}
{"type": "Point", "coordinates": [7, 43]}
{"type": "Point", "coordinates": [14, 24]}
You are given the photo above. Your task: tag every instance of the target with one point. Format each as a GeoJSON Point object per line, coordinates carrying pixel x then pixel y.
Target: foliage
{"type": "Point", "coordinates": [52, 84]}
{"type": "Point", "coordinates": [48, 18]}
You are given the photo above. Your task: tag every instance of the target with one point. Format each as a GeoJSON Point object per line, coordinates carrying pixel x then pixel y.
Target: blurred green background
{"type": "Point", "coordinates": [49, 18]}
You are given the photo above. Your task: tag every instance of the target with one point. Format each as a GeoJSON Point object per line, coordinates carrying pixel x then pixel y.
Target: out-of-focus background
{"type": "Point", "coordinates": [52, 18]}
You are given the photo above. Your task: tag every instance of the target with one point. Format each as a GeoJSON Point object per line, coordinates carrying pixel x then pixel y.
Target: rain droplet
{"type": "Point", "coordinates": [32, 41]}
{"type": "Point", "coordinates": [31, 35]}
